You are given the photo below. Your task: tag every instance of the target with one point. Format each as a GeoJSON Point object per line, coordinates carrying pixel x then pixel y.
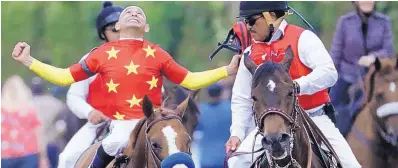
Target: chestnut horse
{"type": "Point", "coordinates": [373, 136]}
{"type": "Point", "coordinates": [158, 140]}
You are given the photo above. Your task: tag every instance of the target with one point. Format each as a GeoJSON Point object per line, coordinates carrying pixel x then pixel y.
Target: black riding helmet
{"type": "Point", "coordinates": [108, 15]}
{"type": "Point", "coordinates": [249, 8]}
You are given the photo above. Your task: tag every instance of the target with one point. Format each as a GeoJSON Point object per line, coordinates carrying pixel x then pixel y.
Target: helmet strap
{"type": "Point", "coordinates": [271, 31]}
{"type": "Point", "coordinates": [270, 21]}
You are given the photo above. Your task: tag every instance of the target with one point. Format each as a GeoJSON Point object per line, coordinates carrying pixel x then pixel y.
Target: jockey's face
{"type": "Point", "coordinates": [258, 27]}
{"type": "Point", "coordinates": [133, 17]}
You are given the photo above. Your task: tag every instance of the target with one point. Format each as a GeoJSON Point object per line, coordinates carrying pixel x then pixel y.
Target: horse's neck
{"type": "Point", "coordinates": [140, 151]}
{"type": "Point", "coordinates": [365, 123]}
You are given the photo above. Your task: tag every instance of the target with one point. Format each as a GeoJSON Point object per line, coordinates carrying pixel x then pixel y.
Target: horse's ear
{"type": "Point", "coordinates": [377, 64]}
{"type": "Point", "coordinates": [250, 65]}
{"type": "Point", "coordinates": [182, 107]}
{"type": "Point", "coordinates": [147, 107]}
{"type": "Point", "coordinates": [287, 60]}
{"type": "Point", "coordinates": [194, 94]}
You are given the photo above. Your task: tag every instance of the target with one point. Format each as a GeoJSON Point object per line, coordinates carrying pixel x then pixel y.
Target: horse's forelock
{"type": "Point", "coordinates": [266, 69]}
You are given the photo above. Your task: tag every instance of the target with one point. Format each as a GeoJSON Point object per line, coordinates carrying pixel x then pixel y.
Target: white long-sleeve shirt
{"type": "Point", "coordinates": [76, 98]}
{"type": "Point", "coordinates": [312, 53]}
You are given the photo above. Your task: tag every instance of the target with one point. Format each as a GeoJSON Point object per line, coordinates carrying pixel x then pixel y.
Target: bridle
{"type": "Point", "coordinates": [155, 159]}
{"type": "Point", "coordinates": [293, 122]}
{"type": "Point", "coordinates": [379, 126]}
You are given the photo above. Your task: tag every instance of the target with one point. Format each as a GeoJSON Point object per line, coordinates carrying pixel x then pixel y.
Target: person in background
{"type": "Point", "coordinates": [49, 109]}
{"type": "Point", "coordinates": [214, 122]}
{"type": "Point", "coordinates": [21, 146]}
{"type": "Point", "coordinates": [360, 37]}
{"type": "Point", "coordinates": [80, 94]}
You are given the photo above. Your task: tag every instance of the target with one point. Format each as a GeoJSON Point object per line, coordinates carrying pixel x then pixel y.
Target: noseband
{"type": "Point", "coordinates": [156, 160]}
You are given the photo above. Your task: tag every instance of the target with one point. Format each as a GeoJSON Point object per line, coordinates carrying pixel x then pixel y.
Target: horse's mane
{"type": "Point", "coordinates": [192, 113]}
{"type": "Point", "coordinates": [265, 68]}
{"type": "Point", "coordinates": [134, 137]}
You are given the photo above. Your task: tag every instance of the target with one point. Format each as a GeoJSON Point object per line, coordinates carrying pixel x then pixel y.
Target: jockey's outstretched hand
{"type": "Point", "coordinates": [232, 68]}
{"type": "Point", "coordinates": [232, 144]}
{"type": "Point", "coordinates": [96, 117]}
{"type": "Point", "coordinates": [21, 53]}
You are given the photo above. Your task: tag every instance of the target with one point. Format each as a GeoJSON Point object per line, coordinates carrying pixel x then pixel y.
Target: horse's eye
{"type": "Point", "coordinates": [254, 98]}
{"type": "Point", "coordinates": [290, 93]}
{"type": "Point", "coordinates": [156, 146]}
{"type": "Point", "coordinates": [379, 96]}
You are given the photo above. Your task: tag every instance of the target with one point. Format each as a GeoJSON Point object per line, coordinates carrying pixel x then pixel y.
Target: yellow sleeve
{"type": "Point", "coordinates": [58, 76]}
{"type": "Point", "coordinates": [197, 80]}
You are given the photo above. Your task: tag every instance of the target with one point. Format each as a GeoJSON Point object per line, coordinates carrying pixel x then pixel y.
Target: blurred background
{"type": "Point", "coordinates": [60, 33]}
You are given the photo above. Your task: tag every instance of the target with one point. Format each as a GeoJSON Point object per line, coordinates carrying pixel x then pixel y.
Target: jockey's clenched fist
{"type": "Point", "coordinates": [21, 53]}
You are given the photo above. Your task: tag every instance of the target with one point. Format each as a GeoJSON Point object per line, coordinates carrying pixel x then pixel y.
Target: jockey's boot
{"type": "Point", "coordinates": [101, 159]}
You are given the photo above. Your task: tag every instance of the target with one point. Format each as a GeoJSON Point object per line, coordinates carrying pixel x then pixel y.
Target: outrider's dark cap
{"type": "Point", "coordinates": [248, 8]}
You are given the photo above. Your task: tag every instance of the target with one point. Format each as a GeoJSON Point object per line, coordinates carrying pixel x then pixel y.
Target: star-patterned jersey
{"type": "Point", "coordinates": [128, 70]}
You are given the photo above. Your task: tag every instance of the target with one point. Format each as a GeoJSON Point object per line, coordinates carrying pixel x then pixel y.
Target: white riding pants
{"type": "Point", "coordinates": [119, 135]}
{"type": "Point", "coordinates": [77, 145]}
{"type": "Point", "coordinates": [327, 127]}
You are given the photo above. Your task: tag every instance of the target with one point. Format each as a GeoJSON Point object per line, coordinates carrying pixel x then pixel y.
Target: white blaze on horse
{"type": "Point", "coordinates": [159, 140]}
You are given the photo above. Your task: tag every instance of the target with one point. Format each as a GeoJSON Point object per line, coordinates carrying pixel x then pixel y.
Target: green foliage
{"type": "Point", "coordinates": [63, 32]}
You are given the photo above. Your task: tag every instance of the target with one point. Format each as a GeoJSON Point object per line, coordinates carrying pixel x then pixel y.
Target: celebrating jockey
{"type": "Point", "coordinates": [127, 69]}
{"type": "Point", "coordinates": [82, 95]}
{"type": "Point", "coordinates": [314, 72]}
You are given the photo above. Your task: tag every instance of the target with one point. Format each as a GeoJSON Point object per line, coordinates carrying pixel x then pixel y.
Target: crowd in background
{"type": "Point", "coordinates": [37, 124]}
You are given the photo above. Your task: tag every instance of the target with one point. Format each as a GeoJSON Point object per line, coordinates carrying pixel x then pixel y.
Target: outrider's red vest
{"type": "Point", "coordinates": [261, 52]}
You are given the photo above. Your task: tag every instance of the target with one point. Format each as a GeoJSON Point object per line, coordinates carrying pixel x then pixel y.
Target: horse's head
{"type": "Point", "coordinates": [168, 142]}
{"type": "Point", "coordinates": [176, 95]}
{"type": "Point", "coordinates": [382, 95]}
{"type": "Point", "coordinates": [274, 98]}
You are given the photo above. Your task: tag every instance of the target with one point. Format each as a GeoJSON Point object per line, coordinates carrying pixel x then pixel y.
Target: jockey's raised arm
{"type": "Point", "coordinates": [90, 66]}
{"type": "Point", "coordinates": [195, 80]}
{"type": "Point", "coordinates": [55, 75]}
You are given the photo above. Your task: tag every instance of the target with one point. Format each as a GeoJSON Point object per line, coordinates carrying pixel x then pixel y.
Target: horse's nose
{"type": "Point", "coordinates": [276, 142]}
{"type": "Point", "coordinates": [276, 138]}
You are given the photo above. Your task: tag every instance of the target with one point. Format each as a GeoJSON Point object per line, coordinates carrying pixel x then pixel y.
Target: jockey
{"type": "Point", "coordinates": [129, 69]}
{"type": "Point", "coordinates": [81, 95]}
{"type": "Point", "coordinates": [313, 70]}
